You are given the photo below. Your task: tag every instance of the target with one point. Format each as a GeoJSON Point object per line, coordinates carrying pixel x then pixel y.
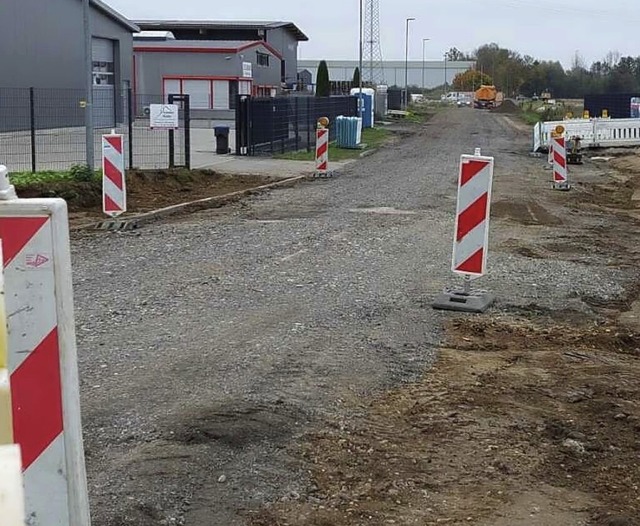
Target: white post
{"type": "Point", "coordinates": [11, 492]}
{"type": "Point", "coordinates": [7, 191]}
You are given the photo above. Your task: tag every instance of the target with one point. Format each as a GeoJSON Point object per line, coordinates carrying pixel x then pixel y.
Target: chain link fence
{"type": "Point", "coordinates": [43, 129]}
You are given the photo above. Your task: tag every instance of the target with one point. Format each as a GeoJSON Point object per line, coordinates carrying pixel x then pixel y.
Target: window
{"type": "Point", "coordinates": [262, 59]}
{"type": "Point", "coordinates": [204, 94]}
{"type": "Point", "coordinates": [103, 73]}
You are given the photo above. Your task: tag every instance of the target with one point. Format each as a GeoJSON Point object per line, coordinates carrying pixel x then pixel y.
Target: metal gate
{"type": "Point", "coordinates": [184, 133]}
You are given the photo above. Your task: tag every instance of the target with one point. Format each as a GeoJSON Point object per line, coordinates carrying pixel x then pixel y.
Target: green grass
{"type": "Point", "coordinates": [75, 174]}
{"type": "Point", "coordinates": [531, 117]}
{"type": "Point", "coordinates": [371, 137]}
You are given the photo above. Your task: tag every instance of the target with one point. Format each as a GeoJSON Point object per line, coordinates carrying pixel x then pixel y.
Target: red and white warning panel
{"type": "Point", "coordinates": [472, 215]}
{"type": "Point", "coordinates": [114, 185]}
{"type": "Point", "coordinates": [42, 359]}
{"type": "Point", "coordinates": [322, 151]}
{"type": "Point", "coordinates": [559, 148]}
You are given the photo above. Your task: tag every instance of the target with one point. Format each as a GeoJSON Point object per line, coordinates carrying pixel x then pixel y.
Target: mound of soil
{"type": "Point", "coordinates": [508, 106]}
{"type": "Point", "coordinates": [146, 190]}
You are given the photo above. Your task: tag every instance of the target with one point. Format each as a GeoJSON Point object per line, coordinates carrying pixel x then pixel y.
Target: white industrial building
{"type": "Point", "coordinates": [428, 74]}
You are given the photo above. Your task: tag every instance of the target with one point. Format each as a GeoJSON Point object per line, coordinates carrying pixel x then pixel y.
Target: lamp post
{"type": "Point", "coordinates": [360, 103]}
{"type": "Point", "coordinates": [445, 75]}
{"type": "Point", "coordinates": [406, 63]}
{"type": "Point", "coordinates": [88, 72]}
{"type": "Point", "coordinates": [424, 41]}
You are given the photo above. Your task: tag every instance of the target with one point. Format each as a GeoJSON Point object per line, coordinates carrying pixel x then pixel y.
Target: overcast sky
{"type": "Point", "coordinates": [545, 29]}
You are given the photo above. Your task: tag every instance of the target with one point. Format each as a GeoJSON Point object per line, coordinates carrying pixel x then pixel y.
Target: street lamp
{"type": "Point", "coordinates": [424, 41]}
{"type": "Point", "coordinates": [445, 74]}
{"type": "Point", "coordinates": [360, 102]}
{"type": "Point", "coordinates": [88, 75]}
{"type": "Point", "coordinates": [406, 63]}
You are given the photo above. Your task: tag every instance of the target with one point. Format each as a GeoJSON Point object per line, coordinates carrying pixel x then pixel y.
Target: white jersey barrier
{"type": "Point", "coordinates": [595, 133]}
{"type": "Point", "coordinates": [42, 360]}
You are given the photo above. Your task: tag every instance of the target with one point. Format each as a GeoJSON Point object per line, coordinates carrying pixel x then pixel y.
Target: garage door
{"type": "Point", "coordinates": [104, 83]}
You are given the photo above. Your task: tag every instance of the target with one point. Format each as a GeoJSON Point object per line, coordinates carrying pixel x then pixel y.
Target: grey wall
{"type": "Point", "coordinates": [287, 46]}
{"type": "Point", "coordinates": [42, 43]}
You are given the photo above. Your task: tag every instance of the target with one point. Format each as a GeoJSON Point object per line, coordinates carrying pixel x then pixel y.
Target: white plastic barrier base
{"type": "Point", "coordinates": [11, 492]}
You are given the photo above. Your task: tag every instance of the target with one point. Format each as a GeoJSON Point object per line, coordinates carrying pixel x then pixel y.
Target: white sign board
{"type": "Point", "coordinates": [164, 116]}
{"type": "Point", "coordinates": [247, 72]}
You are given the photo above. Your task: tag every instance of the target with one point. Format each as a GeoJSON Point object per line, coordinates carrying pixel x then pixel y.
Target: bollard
{"type": "Point", "coordinates": [42, 361]}
{"type": "Point", "coordinates": [322, 148]}
{"type": "Point", "coordinates": [560, 169]}
{"type": "Point", "coordinates": [471, 239]}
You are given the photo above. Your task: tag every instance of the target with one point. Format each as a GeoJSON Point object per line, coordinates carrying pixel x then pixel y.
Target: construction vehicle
{"type": "Point", "coordinates": [574, 150]}
{"type": "Point", "coordinates": [485, 97]}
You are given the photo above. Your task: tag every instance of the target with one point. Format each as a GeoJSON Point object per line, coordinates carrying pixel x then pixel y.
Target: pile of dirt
{"type": "Point", "coordinates": [508, 106]}
{"type": "Point", "coordinates": [146, 190]}
{"type": "Point", "coordinates": [518, 422]}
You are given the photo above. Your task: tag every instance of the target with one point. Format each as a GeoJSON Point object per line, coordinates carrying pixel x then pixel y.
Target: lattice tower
{"type": "Point", "coordinates": [372, 70]}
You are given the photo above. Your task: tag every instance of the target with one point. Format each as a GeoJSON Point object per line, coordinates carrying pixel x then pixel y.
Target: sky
{"type": "Point", "coordinates": [544, 29]}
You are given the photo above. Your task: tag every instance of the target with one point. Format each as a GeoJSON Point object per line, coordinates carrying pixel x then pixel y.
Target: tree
{"type": "Point", "coordinates": [356, 78]}
{"type": "Point", "coordinates": [323, 86]}
{"type": "Point", "coordinates": [454, 55]}
{"type": "Point", "coordinates": [471, 80]}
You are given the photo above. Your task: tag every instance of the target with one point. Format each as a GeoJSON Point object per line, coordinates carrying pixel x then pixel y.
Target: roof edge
{"type": "Point", "coordinates": [289, 26]}
{"type": "Point", "coordinates": [115, 16]}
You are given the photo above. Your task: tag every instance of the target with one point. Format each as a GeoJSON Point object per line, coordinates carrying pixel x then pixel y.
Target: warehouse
{"type": "Point", "coordinates": [42, 46]}
{"type": "Point", "coordinates": [212, 73]}
{"type": "Point", "coordinates": [427, 74]}
{"type": "Point", "coordinates": [280, 38]}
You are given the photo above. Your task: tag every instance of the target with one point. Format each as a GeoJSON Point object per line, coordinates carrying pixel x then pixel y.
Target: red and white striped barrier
{"type": "Point", "coordinates": [560, 171]}
{"type": "Point", "coordinates": [472, 215]}
{"type": "Point", "coordinates": [42, 359]}
{"type": "Point", "coordinates": [471, 239]}
{"type": "Point", "coordinates": [322, 152]}
{"type": "Point", "coordinates": [114, 186]}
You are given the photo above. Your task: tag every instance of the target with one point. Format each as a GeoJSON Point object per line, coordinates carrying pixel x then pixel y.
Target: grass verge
{"type": "Point", "coordinates": [371, 137]}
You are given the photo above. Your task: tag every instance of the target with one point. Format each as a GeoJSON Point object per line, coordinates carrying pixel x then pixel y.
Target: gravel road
{"type": "Point", "coordinates": [209, 344]}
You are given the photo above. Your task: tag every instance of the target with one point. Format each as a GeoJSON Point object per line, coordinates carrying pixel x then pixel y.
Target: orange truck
{"type": "Point", "coordinates": [485, 97]}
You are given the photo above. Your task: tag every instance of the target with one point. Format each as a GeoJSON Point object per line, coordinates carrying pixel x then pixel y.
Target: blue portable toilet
{"type": "Point", "coordinates": [368, 108]}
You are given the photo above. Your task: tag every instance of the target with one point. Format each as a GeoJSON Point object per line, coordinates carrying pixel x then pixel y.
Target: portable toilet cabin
{"type": "Point", "coordinates": [366, 104]}
{"type": "Point", "coordinates": [381, 102]}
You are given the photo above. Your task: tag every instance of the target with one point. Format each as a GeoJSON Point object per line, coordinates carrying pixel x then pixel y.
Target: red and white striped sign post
{"type": "Point", "coordinates": [471, 240]}
{"type": "Point", "coordinates": [560, 170]}
{"type": "Point", "coordinates": [322, 148]}
{"type": "Point", "coordinates": [42, 358]}
{"type": "Point", "coordinates": [114, 186]}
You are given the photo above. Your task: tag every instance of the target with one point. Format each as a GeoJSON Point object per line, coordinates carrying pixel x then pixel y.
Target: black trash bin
{"type": "Point", "coordinates": [222, 139]}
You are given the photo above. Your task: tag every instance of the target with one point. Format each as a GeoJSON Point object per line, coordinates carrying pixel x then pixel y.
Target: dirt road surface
{"type": "Point", "coordinates": [271, 362]}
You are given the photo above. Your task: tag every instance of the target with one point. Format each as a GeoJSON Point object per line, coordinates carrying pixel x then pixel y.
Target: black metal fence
{"type": "Point", "coordinates": [43, 129]}
{"type": "Point", "coordinates": [284, 124]}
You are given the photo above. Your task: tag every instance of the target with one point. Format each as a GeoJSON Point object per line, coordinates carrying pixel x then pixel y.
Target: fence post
{"type": "Point", "coordinates": [308, 124]}
{"type": "Point", "coordinates": [32, 115]}
{"type": "Point", "coordinates": [130, 124]}
{"type": "Point", "coordinates": [296, 127]}
{"type": "Point", "coordinates": [172, 141]}
{"type": "Point", "coordinates": [187, 132]}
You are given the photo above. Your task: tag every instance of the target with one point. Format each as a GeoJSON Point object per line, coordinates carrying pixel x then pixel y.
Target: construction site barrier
{"type": "Point", "coordinates": [594, 133]}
